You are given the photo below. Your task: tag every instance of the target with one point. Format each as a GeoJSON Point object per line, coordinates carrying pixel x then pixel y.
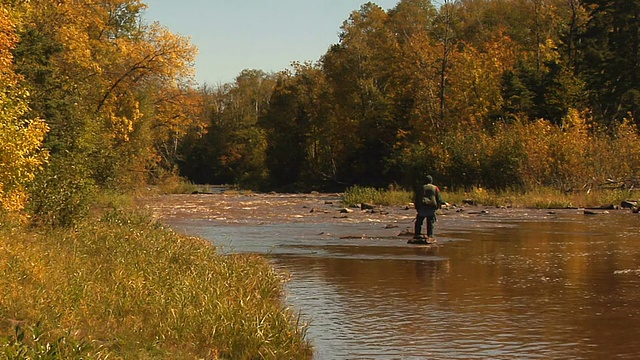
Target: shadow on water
{"type": "Point", "coordinates": [520, 284]}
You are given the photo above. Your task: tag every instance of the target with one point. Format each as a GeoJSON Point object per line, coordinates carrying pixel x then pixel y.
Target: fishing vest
{"type": "Point", "coordinates": [429, 196]}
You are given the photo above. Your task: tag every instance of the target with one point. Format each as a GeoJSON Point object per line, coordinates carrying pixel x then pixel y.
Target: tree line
{"type": "Point", "coordinates": [499, 94]}
{"type": "Point", "coordinates": [492, 93]}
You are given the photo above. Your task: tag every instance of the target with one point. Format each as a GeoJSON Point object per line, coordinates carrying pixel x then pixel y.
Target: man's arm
{"type": "Point", "coordinates": [439, 198]}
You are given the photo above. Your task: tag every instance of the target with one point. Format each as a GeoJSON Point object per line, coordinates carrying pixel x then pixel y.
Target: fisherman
{"type": "Point", "coordinates": [427, 201]}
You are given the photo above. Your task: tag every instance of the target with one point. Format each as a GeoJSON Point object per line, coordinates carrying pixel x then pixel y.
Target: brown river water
{"type": "Point", "coordinates": [500, 284]}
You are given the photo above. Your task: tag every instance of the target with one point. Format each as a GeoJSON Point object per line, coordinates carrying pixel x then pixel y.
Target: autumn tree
{"type": "Point", "coordinates": [99, 77]}
{"type": "Point", "coordinates": [398, 88]}
{"type": "Point", "coordinates": [446, 37]}
{"type": "Point", "coordinates": [415, 70]}
{"type": "Point", "coordinates": [21, 153]}
{"type": "Point", "coordinates": [179, 111]}
{"type": "Point", "coordinates": [358, 71]}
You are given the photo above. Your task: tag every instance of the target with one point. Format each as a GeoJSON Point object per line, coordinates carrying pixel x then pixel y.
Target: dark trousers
{"type": "Point", "coordinates": [431, 221]}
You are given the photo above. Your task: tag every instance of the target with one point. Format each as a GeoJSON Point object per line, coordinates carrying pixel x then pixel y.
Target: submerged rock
{"type": "Point", "coordinates": [365, 206]}
{"type": "Point", "coordinates": [406, 232]}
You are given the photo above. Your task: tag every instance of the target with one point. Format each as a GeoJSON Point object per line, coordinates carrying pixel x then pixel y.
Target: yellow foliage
{"type": "Point", "coordinates": [8, 39]}
{"type": "Point", "coordinates": [115, 70]}
{"type": "Point", "coordinates": [122, 116]}
{"type": "Point", "coordinates": [538, 153]}
{"type": "Point", "coordinates": [475, 93]}
{"type": "Point", "coordinates": [20, 139]}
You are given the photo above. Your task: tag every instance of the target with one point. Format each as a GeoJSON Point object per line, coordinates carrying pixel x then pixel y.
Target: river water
{"type": "Point", "coordinates": [500, 284]}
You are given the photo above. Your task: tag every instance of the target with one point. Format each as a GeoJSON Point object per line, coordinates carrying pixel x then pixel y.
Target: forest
{"type": "Point", "coordinates": [499, 94]}
{"type": "Point", "coordinates": [98, 106]}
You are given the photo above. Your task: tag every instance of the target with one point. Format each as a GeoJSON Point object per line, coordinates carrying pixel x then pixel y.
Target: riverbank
{"type": "Point", "coordinates": [366, 204]}
{"type": "Point", "coordinates": [124, 286]}
{"type": "Point", "coordinates": [538, 198]}
{"type": "Point", "coordinates": [321, 218]}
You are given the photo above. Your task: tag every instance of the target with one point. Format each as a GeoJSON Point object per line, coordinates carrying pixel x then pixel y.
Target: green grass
{"type": "Point", "coordinates": [358, 195]}
{"type": "Point", "coordinates": [125, 287]}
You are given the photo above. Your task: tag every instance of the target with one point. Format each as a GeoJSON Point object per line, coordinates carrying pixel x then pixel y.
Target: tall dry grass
{"type": "Point", "coordinates": [528, 155]}
{"type": "Point", "coordinates": [357, 195]}
{"type": "Point", "coordinates": [539, 197]}
{"type": "Point", "coordinates": [124, 287]}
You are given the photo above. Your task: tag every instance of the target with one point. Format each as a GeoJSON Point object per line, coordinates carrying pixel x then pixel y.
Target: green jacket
{"type": "Point", "coordinates": [427, 200]}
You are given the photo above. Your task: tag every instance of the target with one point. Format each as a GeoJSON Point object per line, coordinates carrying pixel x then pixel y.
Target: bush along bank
{"type": "Point", "coordinates": [537, 197]}
{"type": "Point", "coordinates": [126, 287]}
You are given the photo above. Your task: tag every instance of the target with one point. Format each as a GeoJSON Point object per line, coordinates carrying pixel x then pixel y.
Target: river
{"type": "Point", "coordinates": [500, 284]}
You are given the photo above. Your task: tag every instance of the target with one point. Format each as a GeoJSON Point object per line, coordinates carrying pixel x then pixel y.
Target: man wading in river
{"type": "Point", "coordinates": [427, 201]}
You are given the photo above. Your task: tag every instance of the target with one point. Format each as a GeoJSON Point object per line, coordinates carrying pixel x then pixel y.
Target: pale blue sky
{"type": "Point", "coordinates": [232, 35]}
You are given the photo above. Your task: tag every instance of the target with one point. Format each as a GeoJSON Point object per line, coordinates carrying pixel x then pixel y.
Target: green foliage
{"type": "Point", "coordinates": [234, 146]}
{"type": "Point", "coordinates": [541, 91]}
{"type": "Point", "coordinates": [34, 343]}
{"type": "Point", "coordinates": [50, 99]}
{"type": "Point", "coordinates": [90, 71]}
{"type": "Point", "coordinates": [176, 185]}
{"type": "Point", "coordinates": [358, 72]}
{"type": "Point", "coordinates": [286, 125]}
{"type": "Point", "coordinates": [62, 194]}
{"type": "Point", "coordinates": [609, 50]}
{"type": "Point", "coordinates": [303, 142]}
{"type": "Point", "coordinates": [502, 164]}
{"type": "Point", "coordinates": [460, 158]}
{"type": "Point", "coordinates": [414, 162]}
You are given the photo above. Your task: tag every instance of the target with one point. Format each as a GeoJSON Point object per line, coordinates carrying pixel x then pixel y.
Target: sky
{"type": "Point", "coordinates": [268, 35]}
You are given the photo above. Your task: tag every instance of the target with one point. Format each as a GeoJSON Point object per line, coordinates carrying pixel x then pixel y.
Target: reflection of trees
{"type": "Point", "coordinates": [407, 279]}
{"type": "Point", "coordinates": [558, 273]}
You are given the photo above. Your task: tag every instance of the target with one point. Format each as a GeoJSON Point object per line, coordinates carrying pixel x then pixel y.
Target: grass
{"type": "Point", "coordinates": [176, 185]}
{"type": "Point", "coordinates": [358, 195]}
{"type": "Point", "coordinates": [539, 198]}
{"type": "Point", "coordinates": [125, 287]}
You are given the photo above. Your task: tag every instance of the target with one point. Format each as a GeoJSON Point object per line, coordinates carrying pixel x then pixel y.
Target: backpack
{"type": "Point", "coordinates": [429, 201]}
{"type": "Point", "coordinates": [429, 196]}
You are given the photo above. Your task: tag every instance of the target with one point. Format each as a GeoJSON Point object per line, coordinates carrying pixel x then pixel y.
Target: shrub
{"type": "Point", "coordinates": [62, 194]}
{"type": "Point", "coordinates": [358, 195]}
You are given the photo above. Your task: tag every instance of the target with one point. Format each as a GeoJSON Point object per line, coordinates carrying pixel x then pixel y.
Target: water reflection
{"type": "Point", "coordinates": [561, 286]}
